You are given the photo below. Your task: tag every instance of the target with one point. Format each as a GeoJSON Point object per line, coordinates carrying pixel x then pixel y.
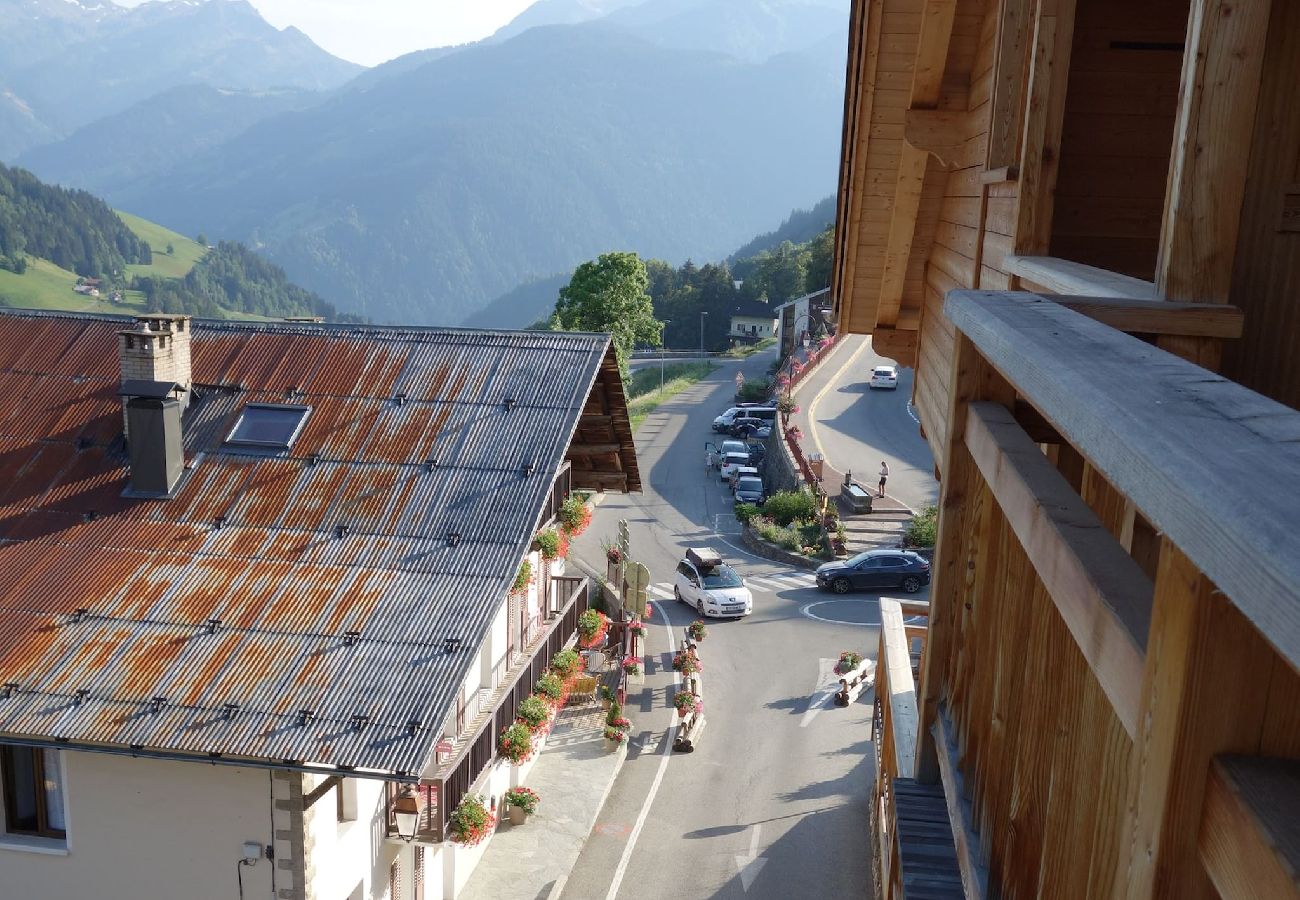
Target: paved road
{"type": "Point", "coordinates": [773, 803]}
{"type": "Point", "coordinates": [858, 427]}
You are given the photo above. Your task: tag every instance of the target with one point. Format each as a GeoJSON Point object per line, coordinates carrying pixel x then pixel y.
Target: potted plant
{"type": "Point", "coordinates": [522, 803]}
{"type": "Point", "coordinates": [636, 626]}
{"type": "Point", "coordinates": [533, 712]}
{"type": "Point", "coordinates": [614, 737]}
{"type": "Point", "coordinates": [793, 433]}
{"type": "Point", "coordinates": [687, 702]}
{"type": "Point", "coordinates": [574, 516]}
{"type": "Point", "coordinates": [622, 723]}
{"type": "Point", "coordinates": [551, 688]}
{"type": "Point", "coordinates": [697, 630]}
{"type": "Point", "coordinates": [606, 697]}
{"type": "Point", "coordinates": [566, 663]}
{"type": "Point", "coordinates": [649, 611]}
{"type": "Point", "coordinates": [471, 821]}
{"type": "Point", "coordinates": [613, 553]}
{"type": "Point", "coordinates": [592, 627]}
{"type": "Point", "coordinates": [516, 743]}
{"type": "Point", "coordinates": [849, 660]}
{"type": "Point", "coordinates": [686, 662]}
{"type": "Point", "coordinates": [523, 578]}
{"type": "Point", "coordinates": [632, 665]}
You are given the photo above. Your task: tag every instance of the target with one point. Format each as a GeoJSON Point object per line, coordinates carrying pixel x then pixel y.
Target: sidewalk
{"type": "Point", "coordinates": [573, 774]}
{"type": "Point", "coordinates": [883, 526]}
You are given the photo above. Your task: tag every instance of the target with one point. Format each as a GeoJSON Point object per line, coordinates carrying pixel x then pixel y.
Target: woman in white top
{"type": "Point", "coordinates": [884, 473]}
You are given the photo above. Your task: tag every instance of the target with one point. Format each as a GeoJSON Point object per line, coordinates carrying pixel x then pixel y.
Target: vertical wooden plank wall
{"type": "Point", "coordinates": [1266, 277]}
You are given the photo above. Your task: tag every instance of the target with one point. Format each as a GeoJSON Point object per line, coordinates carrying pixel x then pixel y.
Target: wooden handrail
{"type": "Point", "coordinates": [896, 662]}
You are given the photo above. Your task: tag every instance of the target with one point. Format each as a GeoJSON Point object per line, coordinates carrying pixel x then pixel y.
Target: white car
{"type": "Point", "coordinates": [731, 462]}
{"type": "Point", "coordinates": [885, 377]}
{"type": "Point", "coordinates": [705, 582]}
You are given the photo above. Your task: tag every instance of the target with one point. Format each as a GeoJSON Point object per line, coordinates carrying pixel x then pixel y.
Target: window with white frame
{"type": "Point", "coordinates": [33, 792]}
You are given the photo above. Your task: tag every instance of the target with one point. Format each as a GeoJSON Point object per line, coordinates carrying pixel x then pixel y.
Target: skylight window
{"type": "Point", "coordinates": [268, 426]}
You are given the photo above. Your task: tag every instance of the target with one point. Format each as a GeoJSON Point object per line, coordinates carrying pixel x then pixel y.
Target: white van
{"type": "Point", "coordinates": [728, 418]}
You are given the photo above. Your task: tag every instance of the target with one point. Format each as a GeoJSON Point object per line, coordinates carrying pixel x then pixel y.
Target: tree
{"type": "Point", "coordinates": [821, 258]}
{"type": "Point", "coordinates": [202, 239]}
{"type": "Point", "coordinates": [610, 294]}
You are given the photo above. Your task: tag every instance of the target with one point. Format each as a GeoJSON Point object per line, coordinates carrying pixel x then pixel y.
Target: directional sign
{"type": "Point", "coordinates": [637, 579]}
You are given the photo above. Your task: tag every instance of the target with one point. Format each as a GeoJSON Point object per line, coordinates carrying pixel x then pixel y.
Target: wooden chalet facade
{"type": "Point", "coordinates": [1079, 220]}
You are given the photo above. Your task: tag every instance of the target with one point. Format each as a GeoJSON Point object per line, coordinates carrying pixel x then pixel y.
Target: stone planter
{"type": "Point", "coordinates": [612, 746]}
{"type": "Point", "coordinates": [518, 816]}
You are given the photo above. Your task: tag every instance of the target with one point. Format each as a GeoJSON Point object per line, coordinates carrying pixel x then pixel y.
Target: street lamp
{"type": "Point", "coordinates": [663, 346]}
{"type": "Point", "coordinates": [406, 813]}
{"type": "Point", "coordinates": [702, 315]}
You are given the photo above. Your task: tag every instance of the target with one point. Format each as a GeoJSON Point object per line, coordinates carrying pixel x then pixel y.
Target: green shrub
{"type": "Point", "coordinates": [785, 507]}
{"type": "Point", "coordinates": [784, 537]}
{"type": "Point", "coordinates": [923, 530]}
{"type": "Point", "coordinates": [754, 390]}
{"type": "Point", "coordinates": [516, 743]}
{"type": "Point", "coordinates": [574, 516]}
{"type": "Point", "coordinates": [746, 511]}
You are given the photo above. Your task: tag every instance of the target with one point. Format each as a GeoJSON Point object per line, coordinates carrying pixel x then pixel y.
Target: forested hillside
{"type": "Point", "coordinates": [800, 226]}
{"type": "Point", "coordinates": [231, 278]}
{"type": "Point", "coordinates": [72, 229]}
{"type": "Point", "coordinates": [50, 235]}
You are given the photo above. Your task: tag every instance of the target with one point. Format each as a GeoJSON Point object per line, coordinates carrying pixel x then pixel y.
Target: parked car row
{"type": "Point", "coordinates": [747, 420]}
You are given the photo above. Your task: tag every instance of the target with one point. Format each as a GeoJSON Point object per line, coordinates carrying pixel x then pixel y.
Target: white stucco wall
{"type": "Point", "coordinates": [144, 829]}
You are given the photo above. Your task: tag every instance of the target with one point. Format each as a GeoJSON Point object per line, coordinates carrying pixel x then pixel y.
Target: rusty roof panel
{"type": "Point", "coordinates": [111, 597]}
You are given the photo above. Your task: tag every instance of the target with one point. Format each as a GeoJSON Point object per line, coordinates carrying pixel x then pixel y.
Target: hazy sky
{"type": "Point", "coordinates": [372, 31]}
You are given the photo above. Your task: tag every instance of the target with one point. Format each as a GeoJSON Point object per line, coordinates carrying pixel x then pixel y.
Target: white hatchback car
{"type": "Point", "coordinates": [732, 462]}
{"type": "Point", "coordinates": [885, 377]}
{"type": "Point", "coordinates": [705, 582]}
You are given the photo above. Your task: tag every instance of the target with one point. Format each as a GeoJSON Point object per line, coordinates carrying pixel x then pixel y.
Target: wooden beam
{"type": "Point", "coordinates": [938, 131]}
{"type": "Point", "coordinates": [1204, 692]}
{"type": "Point", "coordinates": [1250, 828]}
{"type": "Point", "coordinates": [1222, 60]}
{"type": "Point", "coordinates": [309, 799]}
{"type": "Point", "coordinates": [580, 449]}
{"type": "Point", "coordinates": [1000, 175]}
{"type": "Point", "coordinates": [902, 688]}
{"type": "Point", "coordinates": [902, 227]}
{"type": "Point", "coordinates": [1040, 430]}
{"type": "Point", "coordinates": [897, 344]}
{"type": "Point", "coordinates": [1015, 25]}
{"type": "Point", "coordinates": [1202, 320]}
{"type": "Point", "coordinates": [587, 420]}
{"type": "Point", "coordinates": [1101, 593]}
{"type": "Point", "coordinates": [585, 478]}
{"type": "Point", "coordinates": [1048, 77]}
{"type": "Point", "coordinates": [932, 52]}
{"type": "Point", "coordinates": [974, 876]}
{"type": "Point", "coordinates": [1061, 276]}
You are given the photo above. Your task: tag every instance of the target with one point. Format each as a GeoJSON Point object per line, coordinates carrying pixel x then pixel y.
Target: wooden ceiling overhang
{"type": "Point", "coordinates": [602, 455]}
{"type": "Point", "coordinates": [906, 127]}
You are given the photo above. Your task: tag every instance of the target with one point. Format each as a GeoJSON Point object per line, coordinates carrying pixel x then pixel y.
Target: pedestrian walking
{"type": "Point", "coordinates": [884, 473]}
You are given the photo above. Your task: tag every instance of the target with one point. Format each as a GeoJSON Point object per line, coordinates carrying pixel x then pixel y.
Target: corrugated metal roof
{"type": "Point", "coordinates": [105, 601]}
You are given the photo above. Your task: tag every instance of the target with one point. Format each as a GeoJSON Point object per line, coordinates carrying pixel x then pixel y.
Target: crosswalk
{"type": "Point", "coordinates": [769, 582]}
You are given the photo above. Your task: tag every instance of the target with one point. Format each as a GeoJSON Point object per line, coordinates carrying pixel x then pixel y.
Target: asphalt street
{"type": "Point", "coordinates": [773, 802]}
{"type": "Point", "coordinates": [857, 427]}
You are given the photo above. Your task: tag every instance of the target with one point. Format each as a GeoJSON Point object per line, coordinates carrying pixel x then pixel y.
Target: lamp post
{"type": "Point", "coordinates": [702, 315]}
{"type": "Point", "coordinates": [406, 814]}
{"type": "Point", "coordinates": [663, 346]}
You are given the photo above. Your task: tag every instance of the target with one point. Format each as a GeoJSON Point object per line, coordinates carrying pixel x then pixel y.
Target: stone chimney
{"type": "Point", "coordinates": [157, 349]}
{"type": "Point", "coordinates": [155, 370]}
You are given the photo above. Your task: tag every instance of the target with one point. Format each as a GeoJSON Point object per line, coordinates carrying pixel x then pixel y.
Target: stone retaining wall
{"type": "Point", "coordinates": [773, 552]}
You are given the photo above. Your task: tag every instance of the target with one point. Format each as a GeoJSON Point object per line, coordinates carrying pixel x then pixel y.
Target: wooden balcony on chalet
{"type": "Point", "coordinates": [1105, 701]}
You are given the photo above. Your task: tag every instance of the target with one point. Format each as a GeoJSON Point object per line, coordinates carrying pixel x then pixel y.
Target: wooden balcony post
{"type": "Point", "coordinates": [971, 378]}
{"type": "Point", "coordinates": [1204, 692]}
{"type": "Point", "coordinates": [1222, 61]}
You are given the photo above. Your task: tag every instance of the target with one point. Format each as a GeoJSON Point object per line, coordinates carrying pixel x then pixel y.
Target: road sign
{"type": "Point", "coordinates": [624, 539]}
{"type": "Point", "coordinates": [637, 581]}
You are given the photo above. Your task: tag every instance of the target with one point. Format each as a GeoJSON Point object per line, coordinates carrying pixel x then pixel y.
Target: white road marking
{"type": "Point", "coordinates": [752, 864]}
{"type": "Point", "coordinates": [827, 683]}
{"type": "Point", "coordinates": [666, 753]}
{"type": "Point", "coordinates": [806, 610]}
{"type": "Point", "coordinates": [662, 591]}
